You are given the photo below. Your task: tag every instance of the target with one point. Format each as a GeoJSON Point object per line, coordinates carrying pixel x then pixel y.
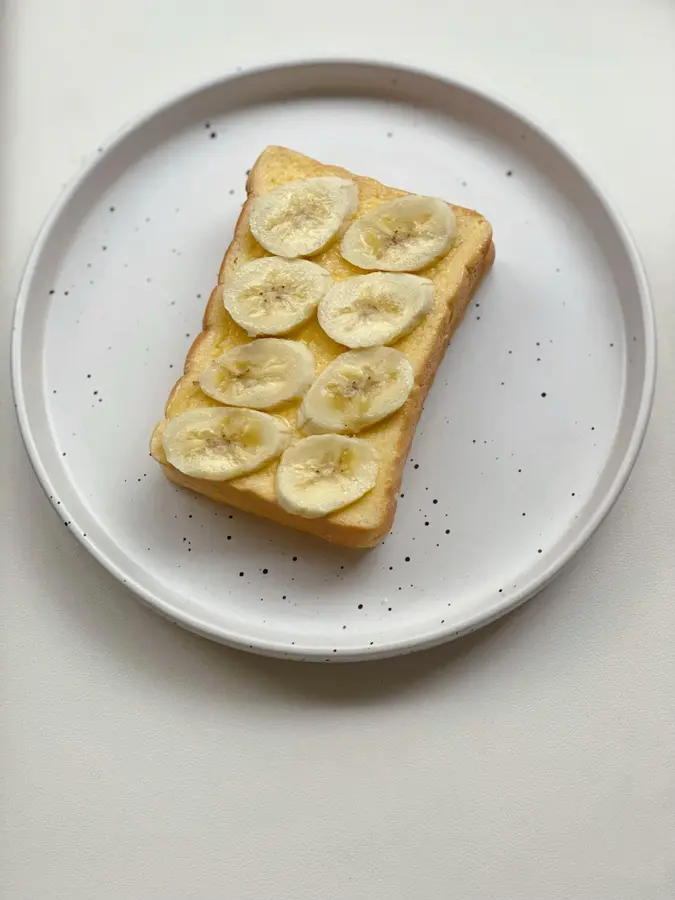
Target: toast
{"type": "Point", "coordinates": [456, 276]}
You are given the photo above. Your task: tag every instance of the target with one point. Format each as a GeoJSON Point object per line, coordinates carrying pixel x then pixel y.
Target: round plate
{"type": "Point", "coordinates": [528, 434]}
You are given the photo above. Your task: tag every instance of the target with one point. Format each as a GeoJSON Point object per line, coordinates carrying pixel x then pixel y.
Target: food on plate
{"type": "Point", "coordinates": [380, 308]}
{"type": "Point", "coordinates": [356, 390]}
{"type": "Point", "coordinates": [273, 295]}
{"type": "Point", "coordinates": [302, 216]}
{"type": "Point", "coordinates": [261, 374]}
{"type": "Point", "coordinates": [325, 472]}
{"type": "Point", "coordinates": [220, 443]}
{"type": "Point", "coordinates": [403, 235]}
{"type": "Point", "coordinates": [301, 395]}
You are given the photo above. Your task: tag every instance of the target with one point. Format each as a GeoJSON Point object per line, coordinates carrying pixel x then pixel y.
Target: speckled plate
{"type": "Point", "coordinates": [528, 434]}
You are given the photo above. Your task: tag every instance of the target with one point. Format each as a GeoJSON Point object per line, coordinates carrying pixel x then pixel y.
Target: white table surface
{"type": "Point", "coordinates": [534, 760]}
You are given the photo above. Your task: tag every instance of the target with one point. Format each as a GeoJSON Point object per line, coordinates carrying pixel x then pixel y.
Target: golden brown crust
{"type": "Point", "coordinates": [345, 527]}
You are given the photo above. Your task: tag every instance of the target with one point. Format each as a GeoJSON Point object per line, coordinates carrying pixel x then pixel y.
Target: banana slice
{"type": "Point", "coordinates": [274, 296]}
{"type": "Point", "coordinates": [370, 310]}
{"type": "Point", "coordinates": [301, 217]}
{"type": "Point", "coordinates": [325, 472]}
{"type": "Point", "coordinates": [219, 444]}
{"type": "Point", "coordinates": [261, 374]}
{"type": "Point", "coordinates": [403, 235]}
{"type": "Point", "coordinates": [356, 390]}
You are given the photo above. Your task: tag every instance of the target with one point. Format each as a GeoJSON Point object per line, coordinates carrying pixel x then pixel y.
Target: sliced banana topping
{"type": "Point", "coordinates": [274, 296]}
{"type": "Point", "coordinates": [325, 472]}
{"type": "Point", "coordinates": [370, 310]}
{"type": "Point", "coordinates": [261, 374]}
{"type": "Point", "coordinates": [219, 444]}
{"type": "Point", "coordinates": [403, 235]}
{"type": "Point", "coordinates": [356, 390]}
{"type": "Point", "coordinates": [301, 217]}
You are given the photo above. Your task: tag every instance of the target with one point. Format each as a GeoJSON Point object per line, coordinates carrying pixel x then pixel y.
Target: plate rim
{"type": "Point", "coordinates": [392, 647]}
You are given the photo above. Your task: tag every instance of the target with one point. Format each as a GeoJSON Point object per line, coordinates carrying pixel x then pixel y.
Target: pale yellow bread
{"type": "Point", "coordinates": [456, 276]}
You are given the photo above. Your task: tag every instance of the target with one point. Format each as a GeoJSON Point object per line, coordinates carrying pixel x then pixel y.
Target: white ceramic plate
{"type": "Point", "coordinates": [528, 434]}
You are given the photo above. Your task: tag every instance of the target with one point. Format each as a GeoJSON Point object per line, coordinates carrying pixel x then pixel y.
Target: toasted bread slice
{"type": "Point", "coordinates": [456, 276]}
